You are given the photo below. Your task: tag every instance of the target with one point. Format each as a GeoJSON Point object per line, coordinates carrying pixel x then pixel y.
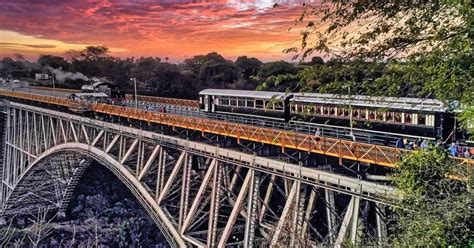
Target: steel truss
{"type": "Point", "coordinates": [197, 194]}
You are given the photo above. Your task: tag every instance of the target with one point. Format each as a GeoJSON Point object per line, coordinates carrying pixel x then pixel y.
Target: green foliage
{"type": "Point", "coordinates": [435, 204]}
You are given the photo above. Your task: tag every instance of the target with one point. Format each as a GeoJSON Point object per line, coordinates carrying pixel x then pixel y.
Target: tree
{"type": "Point", "coordinates": [94, 52]}
{"type": "Point", "coordinates": [435, 204]}
{"type": "Point", "coordinates": [213, 69]}
{"type": "Point", "coordinates": [53, 61]}
{"type": "Point", "coordinates": [425, 45]}
{"type": "Point", "coordinates": [248, 66]}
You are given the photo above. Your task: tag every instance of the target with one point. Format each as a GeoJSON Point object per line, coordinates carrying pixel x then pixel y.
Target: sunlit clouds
{"type": "Point", "coordinates": [174, 29]}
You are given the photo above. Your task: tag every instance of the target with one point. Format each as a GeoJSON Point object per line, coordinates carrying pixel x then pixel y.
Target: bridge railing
{"type": "Point", "coordinates": [369, 153]}
{"type": "Point", "coordinates": [386, 156]}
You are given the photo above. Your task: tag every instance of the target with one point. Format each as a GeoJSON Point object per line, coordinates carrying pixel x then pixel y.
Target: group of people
{"type": "Point", "coordinates": [454, 149]}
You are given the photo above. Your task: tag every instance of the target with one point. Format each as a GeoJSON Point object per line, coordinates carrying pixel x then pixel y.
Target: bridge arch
{"type": "Point", "coordinates": [121, 172]}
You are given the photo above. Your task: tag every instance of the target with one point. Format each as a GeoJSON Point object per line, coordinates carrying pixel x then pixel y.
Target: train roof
{"type": "Point", "coordinates": [93, 94]}
{"type": "Point", "coordinates": [245, 93]}
{"type": "Point", "coordinates": [405, 103]}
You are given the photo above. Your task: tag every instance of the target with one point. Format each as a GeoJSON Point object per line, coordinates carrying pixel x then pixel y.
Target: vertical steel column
{"type": "Point", "coordinates": [28, 138]}
{"type": "Point", "coordinates": [36, 135]}
{"type": "Point", "coordinates": [14, 163]}
{"type": "Point", "coordinates": [185, 184]}
{"type": "Point", "coordinates": [252, 204]}
{"type": "Point", "coordinates": [355, 220]}
{"type": "Point", "coordinates": [215, 206]}
{"type": "Point", "coordinates": [308, 213]}
{"type": "Point", "coordinates": [330, 214]}
{"type": "Point", "coordinates": [159, 176]}
{"type": "Point", "coordinates": [381, 224]}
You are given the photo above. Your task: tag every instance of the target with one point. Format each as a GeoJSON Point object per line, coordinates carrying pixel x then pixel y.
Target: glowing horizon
{"type": "Point", "coordinates": [167, 28]}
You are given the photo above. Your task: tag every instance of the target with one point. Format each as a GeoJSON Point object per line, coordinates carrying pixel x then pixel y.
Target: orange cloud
{"type": "Point", "coordinates": [171, 28]}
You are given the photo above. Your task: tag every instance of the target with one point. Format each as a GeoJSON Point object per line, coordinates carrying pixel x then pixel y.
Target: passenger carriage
{"type": "Point", "coordinates": [428, 118]}
{"type": "Point", "coordinates": [412, 116]}
{"type": "Point", "coordinates": [270, 105]}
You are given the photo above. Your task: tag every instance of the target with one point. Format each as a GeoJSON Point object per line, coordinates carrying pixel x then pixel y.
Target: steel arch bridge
{"type": "Point", "coordinates": [198, 194]}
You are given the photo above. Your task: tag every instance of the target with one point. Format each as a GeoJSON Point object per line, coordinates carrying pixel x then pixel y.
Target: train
{"type": "Point", "coordinates": [428, 118]}
{"type": "Point", "coordinates": [101, 92]}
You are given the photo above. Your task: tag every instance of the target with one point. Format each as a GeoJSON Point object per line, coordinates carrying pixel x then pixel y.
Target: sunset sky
{"type": "Point", "coordinates": [163, 28]}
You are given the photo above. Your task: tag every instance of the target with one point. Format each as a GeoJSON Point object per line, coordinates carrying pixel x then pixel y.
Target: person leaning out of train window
{"type": "Point", "coordinates": [453, 149]}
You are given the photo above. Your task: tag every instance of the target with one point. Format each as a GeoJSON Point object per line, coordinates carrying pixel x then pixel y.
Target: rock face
{"type": "Point", "coordinates": [102, 213]}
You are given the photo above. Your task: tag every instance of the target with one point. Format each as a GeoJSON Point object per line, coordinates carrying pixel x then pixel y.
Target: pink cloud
{"type": "Point", "coordinates": [158, 28]}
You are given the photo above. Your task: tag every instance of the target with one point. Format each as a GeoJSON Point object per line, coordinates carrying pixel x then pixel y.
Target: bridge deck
{"type": "Point", "coordinates": [343, 149]}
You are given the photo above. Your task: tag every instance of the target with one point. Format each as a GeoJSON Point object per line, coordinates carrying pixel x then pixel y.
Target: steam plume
{"type": "Point", "coordinates": [61, 75]}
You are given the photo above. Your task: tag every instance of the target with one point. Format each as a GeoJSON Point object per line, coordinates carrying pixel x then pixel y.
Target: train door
{"type": "Point", "coordinates": [212, 103]}
{"type": "Point", "coordinates": [208, 103]}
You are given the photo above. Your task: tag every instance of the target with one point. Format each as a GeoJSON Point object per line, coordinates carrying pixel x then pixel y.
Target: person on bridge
{"type": "Point", "coordinates": [424, 144]}
{"type": "Point", "coordinates": [399, 144]}
{"type": "Point", "coordinates": [453, 150]}
{"type": "Point", "coordinates": [317, 134]}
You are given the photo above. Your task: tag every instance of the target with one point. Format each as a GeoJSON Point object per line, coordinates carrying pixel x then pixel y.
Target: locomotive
{"type": "Point", "coordinates": [97, 92]}
{"type": "Point", "coordinates": [102, 92]}
{"type": "Point", "coordinates": [428, 118]}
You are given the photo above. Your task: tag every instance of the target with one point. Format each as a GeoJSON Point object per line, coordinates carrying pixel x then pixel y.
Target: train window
{"type": "Point", "coordinates": [241, 102]}
{"type": "Point", "coordinates": [325, 110]}
{"type": "Point", "coordinates": [408, 118]}
{"type": "Point", "coordinates": [293, 107]}
{"type": "Point", "coordinates": [233, 102]}
{"type": "Point", "coordinates": [278, 105]}
{"type": "Point", "coordinates": [422, 119]}
{"type": "Point", "coordinates": [397, 117]}
{"type": "Point", "coordinates": [371, 115]}
{"type": "Point", "coordinates": [362, 114]}
{"type": "Point", "coordinates": [347, 112]}
{"type": "Point", "coordinates": [379, 115]}
{"type": "Point", "coordinates": [224, 101]}
{"type": "Point", "coordinates": [259, 104]}
{"type": "Point", "coordinates": [318, 110]}
{"type": "Point", "coordinates": [389, 117]}
{"type": "Point", "coordinates": [430, 120]}
{"type": "Point", "coordinates": [250, 103]}
{"type": "Point", "coordinates": [332, 111]}
{"type": "Point", "coordinates": [340, 112]}
{"type": "Point", "coordinates": [355, 113]}
{"type": "Point", "coordinates": [301, 108]}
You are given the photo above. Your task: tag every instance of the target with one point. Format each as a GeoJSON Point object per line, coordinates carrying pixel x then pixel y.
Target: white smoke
{"type": "Point", "coordinates": [61, 75]}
